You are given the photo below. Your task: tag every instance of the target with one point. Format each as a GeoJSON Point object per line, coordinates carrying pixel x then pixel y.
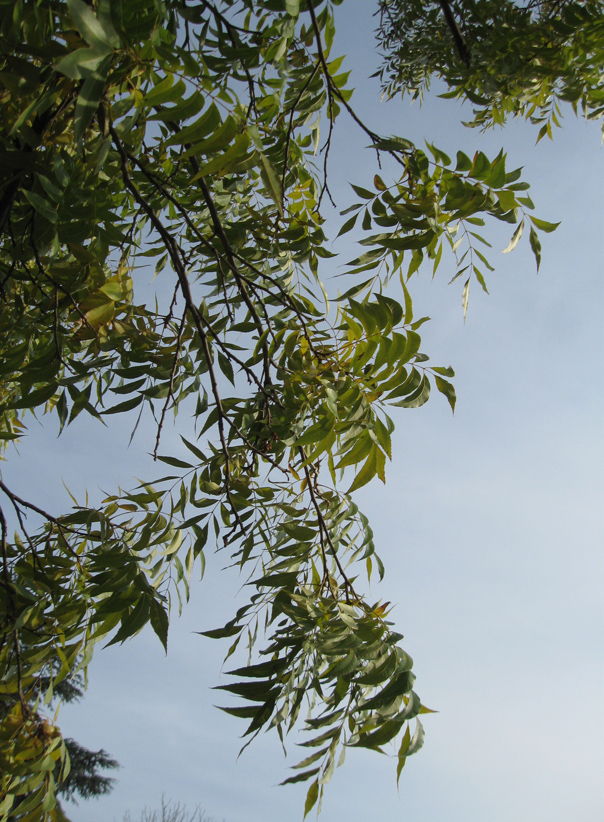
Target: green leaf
{"type": "Point", "coordinates": [507, 200]}
{"type": "Point", "coordinates": [542, 225]}
{"type": "Point", "coordinates": [408, 305]}
{"type": "Point", "coordinates": [356, 289]}
{"type": "Point", "coordinates": [292, 7]}
{"type": "Point", "coordinates": [384, 733]}
{"type": "Point", "coordinates": [204, 125]}
{"type": "Point", "coordinates": [166, 92]}
{"type": "Point", "coordinates": [218, 141]}
{"type": "Point", "coordinates": [35, 398]}
{"type": "Point", "coordinates": [82, 63]}
{"type": "Point", "coordinates": [133, 623]}
{"type": "Point", "coordinates": [398, 686]}
{"type": "Point", "coordinates": [174, 461]}
{"type": "Point", "coordinates": [316, 432]}
{"type": "Point", "coordinates": [42, 206]}
{"type": "Point", "coordinates": [535, 246]}
{"type": "Point", "coordinates": [402, 753]}
{"type": "Point", "coordinates": [312, 758]}
{"type": "Point", "coordinates": [261, 670]}
{"type": "Point", "coordinates": [243, 711]}
{"type": "Point", "coordinates": [363, 192]}
{"type": "Point", "coordinates": [202, 538]}
{"type": "Point", "coordinates": [127, 405]}
{"type": "Point", "coordinates": [159, 622]}
{"type": "Point", "coordinates": [444, 372]}
{"type": "Point", "coordinates": [448, 390]}
{"type": "Point", "coordinates": [463, 162]}
{"type": "Point", "coordinates": [94, 32]}
{"type": "Point", "coordinates": [367, 472]}
{"type": "Point", "coordinates": [102, 313]}
{"type": "Point", "coordinates": [300, 777]}
{"type": "Point", "coordinates": [348, 226]}
{"type": "Point", "coordinates": [419, 397]}
{"type": "Point", "coordinates": [383, 437]}
{"type": "Point", "coordinates": [224, 163]}
{"type": "Point", "coordinates": [194, 449]}
{"type": "Point", "coordinates": [113, 291]}
{"type": "Point", "coordinates": [222, 633]}
{"type": "Point", "coordinates": [226, 367]}
{"type": "Point", "coordinates": [360, 449]}
{"type": "Point", "coordinates": [61, 408]}
{"type": "Point", "coordinates": [411, 346]}
{"type": "Point", "coordinates": [465, 298]}
{"type": "Point", "coordinates": [87, 104]}
{"type": "Point", "coordinates": [481, 167]}
{"type": "Point", "coordinates": [418, 738]}
{"type": "Point", "coordinates": [272, 182]}
{"type": "Point", "coordinates": [515, 237]}
{"type": "Point", "coordinates": [496, 175]}
{"type": "Point", "coordinates": [280, 580]}
{"type": "Point", "coordinates": [311, 798]}
{"type": "Point", "coordinates": [396, 144]}
{"type": "Point", "coordinates": [261, 691]}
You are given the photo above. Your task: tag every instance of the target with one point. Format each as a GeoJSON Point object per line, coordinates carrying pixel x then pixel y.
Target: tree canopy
{"type": "Point", "coordinates": [193, 138]}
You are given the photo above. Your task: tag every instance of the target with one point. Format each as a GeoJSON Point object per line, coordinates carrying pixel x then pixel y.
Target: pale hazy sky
{"type": "Point", "coordinates": [490, 527]}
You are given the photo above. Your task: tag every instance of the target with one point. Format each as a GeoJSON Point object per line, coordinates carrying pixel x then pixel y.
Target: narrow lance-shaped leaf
{"type": "Point", "coordinates": [515, 237]}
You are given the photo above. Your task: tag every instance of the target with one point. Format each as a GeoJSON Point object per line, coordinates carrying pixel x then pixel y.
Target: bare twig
{"type": "Point", "coordinates": [18, 501]}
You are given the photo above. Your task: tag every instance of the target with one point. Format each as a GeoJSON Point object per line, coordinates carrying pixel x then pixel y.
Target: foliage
{"type": "Point", "coordinates": [84, 779]}
{"type": "Point", "coordinates": [505, 57]}
{"type": "Point", "coordinates": [186, 136]}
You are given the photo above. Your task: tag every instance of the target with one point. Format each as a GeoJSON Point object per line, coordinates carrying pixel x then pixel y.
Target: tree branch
{"type": "Point", "coordinates": [460, 43]}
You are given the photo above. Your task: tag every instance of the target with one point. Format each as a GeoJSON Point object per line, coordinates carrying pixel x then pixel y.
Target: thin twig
{"type": "Point", "coordinates": [61, 527]}
{"type": "Point", "coordinates": [172, 375]}
{"type": "Point", "coordinates": [231, 29]}
{"type": "Point", "coordinates": [218, 227]}
{"type": "Point", "coordinates": [174, 253]}
{"type": "Point", "coordinates": [337, 93]}
{"type": "Point", "coordinates": [290, 124]}
{"type": "Point", "coordinates": [17, 500]}
{"type": "Point", "coordinates": [250, 373]}
{"type": "Point", "coordinates": [348, 589]}
{"type": "Point", "coordinates": [460, 43]}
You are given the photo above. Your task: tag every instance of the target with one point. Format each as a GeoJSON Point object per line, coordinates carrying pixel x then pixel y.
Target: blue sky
{"type": "Point", "coordinates": [490, 527]}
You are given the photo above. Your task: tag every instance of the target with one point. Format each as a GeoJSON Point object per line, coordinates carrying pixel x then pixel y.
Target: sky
{"type": "Point", "coordinates": [490, 525]}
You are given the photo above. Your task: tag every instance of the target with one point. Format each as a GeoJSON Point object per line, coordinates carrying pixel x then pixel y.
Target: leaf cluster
{"type": "Point", "coordinates": [193, 139]}
{"type": "Point", "coordinates": [505, 58]}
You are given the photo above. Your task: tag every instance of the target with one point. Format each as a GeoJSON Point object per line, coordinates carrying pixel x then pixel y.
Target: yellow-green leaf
{"type": "Point", "coordinates": [311, 797]}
